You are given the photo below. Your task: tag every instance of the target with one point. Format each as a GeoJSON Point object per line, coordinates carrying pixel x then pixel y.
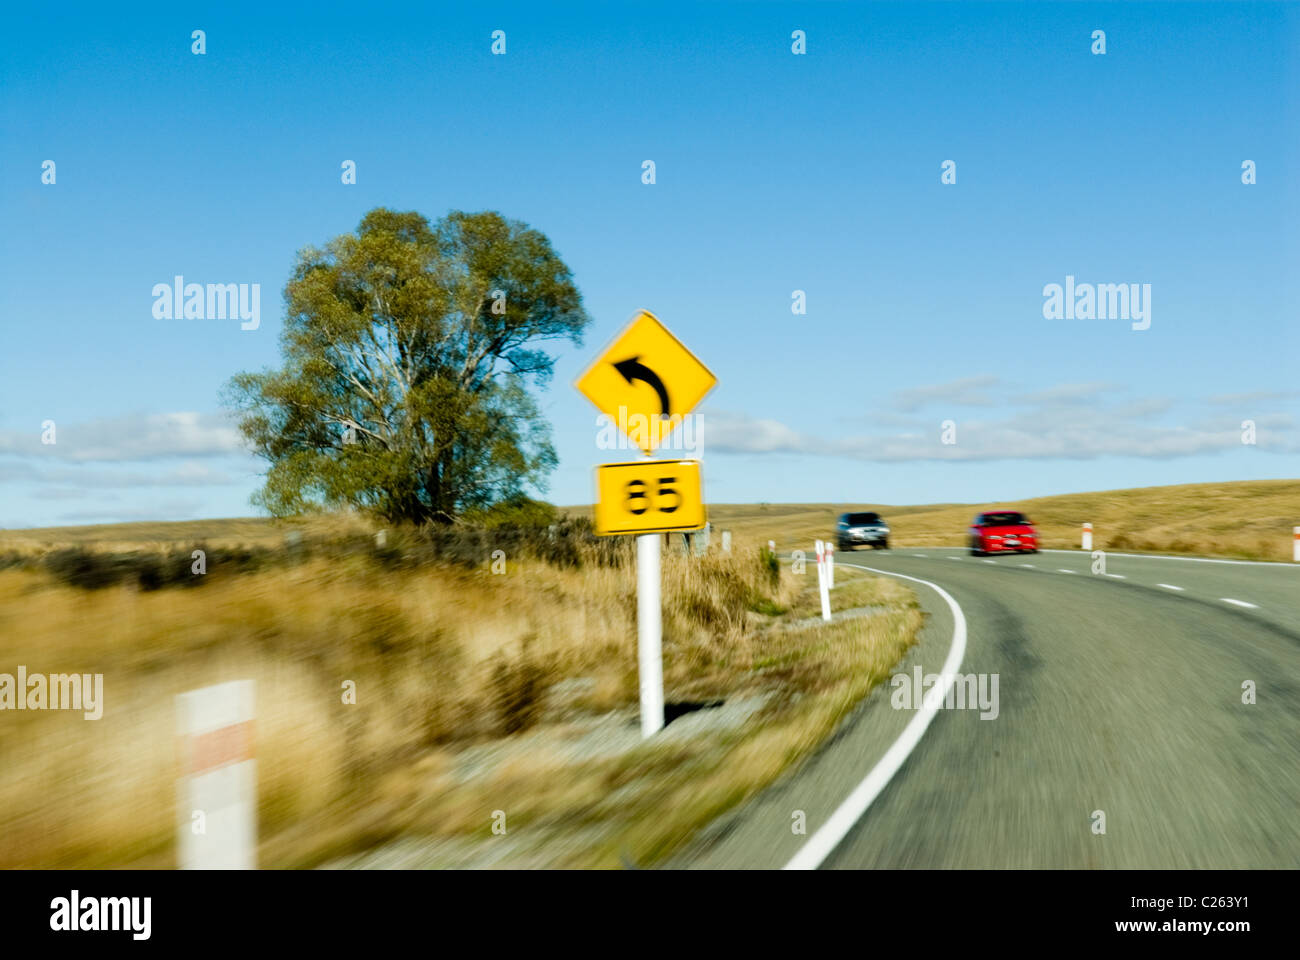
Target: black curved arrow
{"type": "Point", "coordinates": [633, 369]}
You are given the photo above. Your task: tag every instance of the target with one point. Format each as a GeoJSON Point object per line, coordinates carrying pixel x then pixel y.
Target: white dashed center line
{"type": "Point", "coordinates": [1168, 586]}
{"type": "Point", "coordinates": [1117, 576]}
{"type": "Point", "coordinates": [1063, 570]}
{"type": "Point", "coordinates": [1239, 603]}
{"type": "Point", "coordinates": [1026, 564]}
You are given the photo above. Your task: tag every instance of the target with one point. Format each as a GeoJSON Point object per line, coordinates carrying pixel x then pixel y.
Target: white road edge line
{"type": "Point", "coordinates": [820, 845]}
{"type": "Point", "coordinates": [1240, 603]}
{"type": "Point", "coordinates": [1161, 556]}
{"type": "Point", "coordinates": [1168, 586]}
{"type": "Point", "coordinates": [1117, 576]}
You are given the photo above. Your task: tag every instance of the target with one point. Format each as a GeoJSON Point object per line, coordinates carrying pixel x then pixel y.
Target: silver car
{"type": "Point", "coordinates": [857, 529]}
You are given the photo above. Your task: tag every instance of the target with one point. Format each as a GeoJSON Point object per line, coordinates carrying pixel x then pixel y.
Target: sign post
{"type": "Point", "coordinates": [649, 633]}
{"type": "Point", "coordinates": [646, 381]}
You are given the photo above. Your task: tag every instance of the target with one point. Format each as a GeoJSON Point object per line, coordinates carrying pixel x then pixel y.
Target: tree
{"type": "Point", "coordinates": [408, 352]}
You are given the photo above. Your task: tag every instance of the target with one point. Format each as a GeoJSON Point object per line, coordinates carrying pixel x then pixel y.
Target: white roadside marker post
{"type": "Point", "coordinates": [1087, 536]}
{"type": "Point", "coordinates": [830, 564]}
{"type": "Point", "coordinates": [822, 586]}
{"type": "Point", "coordinates": [726, 541]}
{"type": "Point", "coordinates": [217, 791]}
{"type": "Point", "coordinates": [1295, 556]}
{"type": "Point", "coordinates": [649, 635]}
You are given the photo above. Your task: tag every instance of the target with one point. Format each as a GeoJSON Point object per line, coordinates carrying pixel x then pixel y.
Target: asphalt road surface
{"type": "Point", "coordinates": [1118, 692]}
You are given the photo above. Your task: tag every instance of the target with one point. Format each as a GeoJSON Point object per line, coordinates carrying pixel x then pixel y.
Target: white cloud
{"type": "Point", "coordinates": [98, 464]}
{"type": "Point", "coordinates": [1054, 426]}
{"type": "Point", "coordinates": [139, 437]}
{"type": "Point", "coordinates": [89, 478]}
{"type": "Point", "coordinates": [741, 433]}
{"type": "Point", "coordinates": [1069, 393]}
{"type": "Point", "coordinates": [171, 509]}
{"type": "Point", "coordinates": [966, 392]}
{"type": "Point", "coordinates": [1252, 397]}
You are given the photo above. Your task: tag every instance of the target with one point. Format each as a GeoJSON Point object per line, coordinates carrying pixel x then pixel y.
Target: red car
{"type": "Point", "coordinates": [1002, 531]}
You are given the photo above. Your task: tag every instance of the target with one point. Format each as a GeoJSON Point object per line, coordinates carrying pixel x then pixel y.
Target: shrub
{"type": "Point", "coordinates": [86, 568]}
{"type": "Point", "coordinates": [517, 512]}
{"type": "Point", "coordinates": [518, 689]}
{"type": "Point", "coordinates": [565, 543]}
{"type": "Point", "coordinates": [771, 565]}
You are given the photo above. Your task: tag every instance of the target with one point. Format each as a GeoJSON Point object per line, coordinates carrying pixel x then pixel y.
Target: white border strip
{"type": "Point", "coordinates": [819, 846]}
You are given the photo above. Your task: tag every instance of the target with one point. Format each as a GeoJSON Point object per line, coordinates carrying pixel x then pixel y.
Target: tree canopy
{"type": "Point", "coordinates": [409, 349]}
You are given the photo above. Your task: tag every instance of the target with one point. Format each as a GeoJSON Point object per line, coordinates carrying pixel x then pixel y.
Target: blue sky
{"type": "Point", "coordinates": [774, 173]}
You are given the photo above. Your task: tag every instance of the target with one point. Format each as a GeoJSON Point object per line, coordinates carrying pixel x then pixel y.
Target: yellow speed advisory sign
{"type": "Point", "coordinates": [646, 381]}
{"type": "Point", "coordinates": [649, 496]}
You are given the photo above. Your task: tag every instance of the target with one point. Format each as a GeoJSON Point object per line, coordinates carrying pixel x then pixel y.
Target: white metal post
{"type": "Point", "coordinates": [218, 783]}
{"type": "Point", "coordinates": [649, 627]}
{"type": "Point", "coordinates": [830, 563]}
{"type": "Point", "coordinates": [822, 578]}
{"type": "Point", "coordinates": [1087, 536]}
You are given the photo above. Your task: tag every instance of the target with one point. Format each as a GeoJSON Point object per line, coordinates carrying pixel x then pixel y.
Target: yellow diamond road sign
{"type": "Point", "coordinates": [646, 381]}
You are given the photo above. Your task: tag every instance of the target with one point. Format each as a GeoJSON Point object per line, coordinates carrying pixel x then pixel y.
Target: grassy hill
{"type": "Point", "coordinates": [1248, 519]}
{"type": "Point", "coordinates": [227, 532]}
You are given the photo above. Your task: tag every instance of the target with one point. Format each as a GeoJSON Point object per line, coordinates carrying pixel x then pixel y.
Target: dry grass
{"type": "Point", "coordinates": [1244, 520]}
{"type": "Point", "coordinates": [447, 661]}
{"type": "Point", "coordinates": [227, 533]}
{"type": "Point", "coordinates": [853, 588]}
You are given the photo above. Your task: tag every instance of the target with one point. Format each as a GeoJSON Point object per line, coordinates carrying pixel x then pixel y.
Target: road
{"type": "Point", "coordinates": [1119, 692]}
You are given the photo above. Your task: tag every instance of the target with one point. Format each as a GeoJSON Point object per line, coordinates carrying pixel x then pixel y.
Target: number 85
{"type": "Point", "coordinates": [637, 501]}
